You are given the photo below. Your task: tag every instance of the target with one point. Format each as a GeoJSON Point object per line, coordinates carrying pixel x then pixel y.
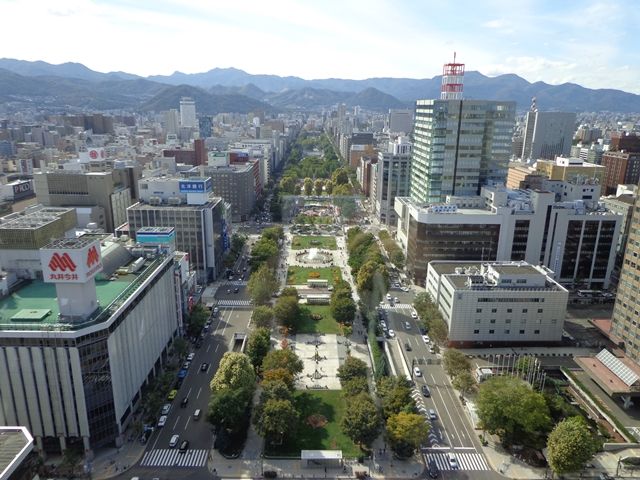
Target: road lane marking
{"type": "Point", "coordinates": [216, 349]}
{"type": "Point", "coordinates": [175, 424]}
{"type": "Point", "coordinates": [187, 423]}
{"type": "Point", "coordinates": [198, 395]}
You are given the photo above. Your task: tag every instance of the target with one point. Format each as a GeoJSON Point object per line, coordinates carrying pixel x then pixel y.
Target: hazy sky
{"type": "Point", "coordinates": [593, 43]}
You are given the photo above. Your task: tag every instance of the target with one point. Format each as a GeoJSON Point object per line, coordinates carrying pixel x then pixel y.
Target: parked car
{"type": "Point", "coordinates": [426, 338]}
{"type": "Point", "coordinates": [392, 333]}
{"type": "Point", "coordinates": [417, 372]}
{"type": "Point", "coordinates": [186, 365]}
{"type": "Point", "coordinates": [407, 347]}
{"type": "Point", "coordinates": [162, 421]}
{"type": "Point", "coordinates": [432, 414]}
{"type": "Point", "coordinates": [414, 315]}
{"type": "Point", "coordinates": [407, 326]}
{"type": "Point", "coordinates": [190, 357]}
{"type": "Point", "coordinates": [172, 394]}
{"type": "Point", "coordinates": [166, 408]}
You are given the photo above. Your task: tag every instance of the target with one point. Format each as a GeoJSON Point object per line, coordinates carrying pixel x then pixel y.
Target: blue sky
{"type": "Point", "coordinates": [592, 43]}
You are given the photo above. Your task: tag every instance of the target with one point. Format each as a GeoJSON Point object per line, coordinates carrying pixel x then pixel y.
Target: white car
{"type": "Point", "coordinates": [407, 326]}
{"type": "Point", "coordinates": [162, 421]}
{"type": "Point", "coordinates": [166, 408]}
{"type": "Point", "coordinates": [174, 441]}
{"type": "Point", "coordinates": [426, 338]}
{"type": "Point", "coordinates": [417, 372]}
{"type": "Point", "coordinates": [414, 315]}
{"type": "Point", "coordinates": [453, 461]}
{"type": "Point", "coordinates": [405, 289]}
{"type": "Point", "coordinates": [392, 333]}
{"type": "Point", "coordinates": [190, 357]}
{"type": "Point", "coordinates": [388, 297]}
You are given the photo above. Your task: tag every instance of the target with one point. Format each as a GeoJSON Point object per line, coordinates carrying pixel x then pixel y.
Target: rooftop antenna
{"type": "Point", "coordinates": [452, 80]}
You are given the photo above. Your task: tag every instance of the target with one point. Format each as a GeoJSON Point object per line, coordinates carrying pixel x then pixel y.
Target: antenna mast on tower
{"type": "Point", "coordinates": [452, 78]}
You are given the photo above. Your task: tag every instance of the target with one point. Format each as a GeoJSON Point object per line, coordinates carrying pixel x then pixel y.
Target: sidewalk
{"type": "Point", "coordinates": [109, 462]}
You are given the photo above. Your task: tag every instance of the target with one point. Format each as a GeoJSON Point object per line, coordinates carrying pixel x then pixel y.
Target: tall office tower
{"type": "Point", "coordinates": [171, 121]}
{"type": "Point", "coordinates": [625, 313]}
{"type": "Point", "coordinates": [400, 120]}
{"type": "Point", "coordinates": [393, 171]}
{"type": "Point", "coordinates": [188, 112]}
{"type": "Point", "coordinates": [459, 146]}
{"type": "Point", "coordinates": [547, 134]}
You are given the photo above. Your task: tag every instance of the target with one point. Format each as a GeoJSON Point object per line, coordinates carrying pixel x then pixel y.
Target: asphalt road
{"type": "Point", "coordinates": [159, 460]}
{"type": "Point", "coordinates": [451, 431]}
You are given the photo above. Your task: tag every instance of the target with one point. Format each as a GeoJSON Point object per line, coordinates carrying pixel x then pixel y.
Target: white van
{"type": "Point", "coordinates": [196, 414]}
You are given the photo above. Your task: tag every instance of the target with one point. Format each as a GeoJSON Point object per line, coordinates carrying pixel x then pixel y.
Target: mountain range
{"type": "Point", "coordinates": [231, 89]}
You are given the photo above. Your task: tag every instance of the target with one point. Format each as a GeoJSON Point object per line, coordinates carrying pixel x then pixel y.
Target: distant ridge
{"type": "Point", "coordinates": [62, 82]}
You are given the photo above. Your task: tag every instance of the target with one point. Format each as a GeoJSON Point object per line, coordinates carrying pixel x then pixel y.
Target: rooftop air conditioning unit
{"type": "Point", "coordinates": [154, 200]}
{"type": "Point", "coordinates": [174, 201]}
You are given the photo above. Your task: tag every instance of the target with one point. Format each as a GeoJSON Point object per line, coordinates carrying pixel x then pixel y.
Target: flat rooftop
{"type": "Point", "coordinates": [516, 269]}
{"type": "Point", "coordinates": [37, 300]}
{"type": "Point", "coordinates": [15, 443]}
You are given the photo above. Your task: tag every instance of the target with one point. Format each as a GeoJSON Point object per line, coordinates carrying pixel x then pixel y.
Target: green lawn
{"type": "Point", "coordinates": [331, 405]}
{"type": "Point", "coordinates": [300, 275]}
{"type": "Point", "coordinates": [311, 241]}
{"type": "Point", "coordinates": [308, 325]}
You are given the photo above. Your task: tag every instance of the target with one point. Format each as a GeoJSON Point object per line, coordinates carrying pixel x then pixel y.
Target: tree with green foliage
{"type": "Point", "coordinates": [283, 358]}
{"type": "Point", "coordinates": [406, 432]}
{"type": "Point", "coordinates": [464, 382]}
{"type": "Point", "coordinates": [235, 372]}
{"type": "Point", "coordinates": [237, 242]}
{"type": "Point", "coordinates": [509, 408]}
{"type": "Point", "coordinates": [354, 386]}
{"type": "Point", "coordinates": [282, 375]}
{"type": "Point", "coordinates": [455, 362]}
{"type": "Point", "coordinates": [227, 407]}
{"type": "Point", "coordinates": [361, 421]}
{"type": "Point", "coordinates": [343, 310]}
{"type": "Point", "coordinates": [197, 318]}
{"type": "Point", "coordinates": [278, 419]}
{"type": "Point", "coordinates": [352, 368]}
{"type": "Point", "coordinates": [258, 344]}
{"type": "Point", "coordinates": [371, 273]}
{"type": "Point", "coordinates": [266, 251]}
{"type": "Point", "coordinates": [570, 445]}
{"type": "Point", "coordinates": [262, 285]}
{"type": "Point", "coordinates": [262, 316]}
{"type": "Point", "coordinates": [287, 312]}
{"type": "Point", "coordinates": [275, 233]}
{"type": "Point", "coordinates": [340, 177]}
{"type": "Point", "coordinates": [180, 347]}
{"type": "Point", "coordinates": [395, 393]}
{"type": "Point", "coordinates": [288, 184]}
{"type": "Point", "coordinates": [328, 186]}
{"type": "Point", "coordinates": [318, 186]}
{"type": "Point", "coordinates": [289, 292]}
{"type": "Point", "coordinates": [438, 331]}
{"type": "Point", "coordinates": [308, 186]}
{"type": "Point", "coordinates": [275, 389]}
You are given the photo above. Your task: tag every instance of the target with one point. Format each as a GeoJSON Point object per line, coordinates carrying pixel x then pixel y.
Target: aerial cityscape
{"type": "Point", "coordinates": [263, 241]}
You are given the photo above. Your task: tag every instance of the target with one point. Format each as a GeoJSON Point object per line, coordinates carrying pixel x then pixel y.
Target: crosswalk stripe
{"type": "Point", "coordinates": [234, 303]}
{"type": "Point", "coordinates": [466, 461]}
{"type": "Point", "coordinates": [171, 457]}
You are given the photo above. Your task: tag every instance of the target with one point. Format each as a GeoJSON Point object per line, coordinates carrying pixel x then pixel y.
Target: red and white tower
{"type": "Point", "coordinates": [452, 78]}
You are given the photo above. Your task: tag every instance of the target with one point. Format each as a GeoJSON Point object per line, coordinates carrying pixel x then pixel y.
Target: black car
{"type": "Point", "coordinates": [433, 469]}
{"type": "Point", "coordinates": [425, 391]}
{"type": "Point", "coordinates": [184, 402]}
{"type": "Point", "coordinates": [203, 367]}
{"type": "Point", "coordinates": [407, 347]}
{"type": "Point", "coordinates": [184, 446]}
{"type": "Point", "coordinates": [236, 290]}
{"type": "Point", "coordinates": [423, 331]}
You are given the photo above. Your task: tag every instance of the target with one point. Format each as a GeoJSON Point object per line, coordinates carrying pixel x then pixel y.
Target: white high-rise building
{"type": "Point", "coordinates": [188, 112]}
{"type": "Point", "coordinates": [171, 122]}
{"type": "Point", "coordinates": [547, 134]}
